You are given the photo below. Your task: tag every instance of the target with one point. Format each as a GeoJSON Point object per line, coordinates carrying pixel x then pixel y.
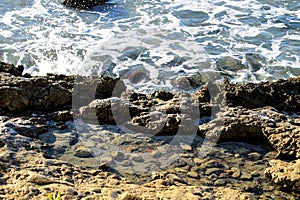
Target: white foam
{"type": "Point", "coordinates": [47, 37]}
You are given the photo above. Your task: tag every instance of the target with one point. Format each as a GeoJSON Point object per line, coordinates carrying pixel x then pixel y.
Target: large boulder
{"type": "Point", "coordinates": [83, 4]}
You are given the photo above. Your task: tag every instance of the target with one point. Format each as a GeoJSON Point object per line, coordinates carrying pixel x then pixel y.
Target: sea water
{"type": "Point", "coordinates": [246, 41]}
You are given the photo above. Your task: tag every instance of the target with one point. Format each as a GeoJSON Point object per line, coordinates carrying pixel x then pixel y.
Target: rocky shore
{"type": "Point", "coordinates": [92, 138]}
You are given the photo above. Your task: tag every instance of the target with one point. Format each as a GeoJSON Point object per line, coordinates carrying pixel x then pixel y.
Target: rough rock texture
{"type": "Point", "coordinates": [285, 174]}
{"type": "Point", "coordinates": [51, 92]}
{"type": "Point", "coordinates": [20, 94]}
{"type": "Point", "coordinates": [262, 126]}
{"type": "Point", "coordinates": [37, 132]}
{"type": "Point", "coordinates": [283, 94]}
{"type": "Point", "coordinates": [11, 69]}
{"type": "Point", "coordinates": [83, 4]}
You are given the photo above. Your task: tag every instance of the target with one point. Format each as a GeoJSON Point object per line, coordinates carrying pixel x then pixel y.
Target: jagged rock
{"type": "Point", "coordinates": [282, 94]}
{"type": "Point", "coordinates": [83, 4]}
{"type": "Point", "coordinates": [19, 94]}
{"type": "Point", "coordinates": [10, 68]}
{"type": "Point", "coordinates": [265, 126]}
{"type": "Point", "coordinates": [285, 174]}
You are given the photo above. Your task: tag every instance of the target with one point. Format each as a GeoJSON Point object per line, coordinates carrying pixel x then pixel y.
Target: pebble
{"type": "Point", "coordinates": [211, 164]}
{"type": "Point", "coordinates": [137, 158]}
{"type": "Point", "coordinates": [210, 171]}
{"type": "Point", "coordinates": [241, 151]}
{"type": "Point", "coordinates": [236, 172]}
{"type": "Point", "coordinates": [186, 147]}
{"type": "Point", "coordinates": [254, 156]}
{"type": "Point", "coordinates": [246, 176]}
{"type": "Point", "coordinates": [82, 152]}
{"type": "Point", "coordinates": [213, 177]}
{"type": "Point", "coordinates": [155, 154]}
{"type": "Point", "coordinates": [107, 160]}
{"type": "Point", "coordinates": [198, 161]}
{"type": "Point", "coordinates": [220, 182]}
{"type": "Point", "coordinates": [117, 155]}
{"type": "Point", "coordinates": [126, 163]}
{"type": "Point", "coordinates": [180, 170]}
{"type": "Point", "coordinates": [193, 174]}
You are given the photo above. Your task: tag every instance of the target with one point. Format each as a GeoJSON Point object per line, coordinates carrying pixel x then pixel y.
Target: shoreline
{"type": "Point", "coordinates": [42, 150]}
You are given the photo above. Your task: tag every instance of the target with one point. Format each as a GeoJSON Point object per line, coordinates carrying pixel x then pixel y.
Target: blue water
{"type": "Point", "coordinates": [251, 40]}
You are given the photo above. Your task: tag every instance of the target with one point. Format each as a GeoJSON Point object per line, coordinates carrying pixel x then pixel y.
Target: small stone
{"type": "Point", "coordinates": [237, 155]}
{"type": "Point", "coordinates": [126, 163]}
{"type": "Point", "coordinates": [82, 152]}
{"type": "Point", "coordinates": [241, 151]}
{"type": "Point", "coordinates": [193, 174]}
{"type": "Point", "coordinates": [137, 159]}
{"type": "Point", "coordinates": [236, 172]}
{"type": "Point", "coordinates": [155, 154]}
{"type": "Point", "coordinates": [107, 160]}
{"type": "Point", "coordinates": [102, 146]}
{"type": "Point", "coordinates": [195, 169]}
{"type": "Point", "coordinates": [254, 156]}
{"type": "Point", "coordinates": [186, 147]}
{"type": "Point", "coordinates": [198, 161]}
{"type": "Point", "coordinates": [224, 175]}
{"type": "Point", "coordinates": [212, 170]}
{"type": "Point", "coordinates": [117, 155]}
{"type": "Point", "coordinates": [186, 155]}
{"type": "Point", "coordinates": [246, 176]}
{"type": "Point", "coordinates": [220, 182]}
{"type": "Point", "coordinates": [180, 170]}
{"type": "Point", "coordinates": [131, 149]}
{"type": "Point", "coordinates": [211, 164]}
{"type": "Point", "coordinates": [213, 177]}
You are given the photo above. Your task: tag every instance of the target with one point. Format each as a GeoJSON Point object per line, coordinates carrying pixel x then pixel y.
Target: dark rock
{"type": "Point", "coordinates": [11, 69]}
{"type": "Point", "coordinates": [283, 94]}
{"type": "Point", "coordinates": [20, 94]}
{"type": "Point", "coordinates": [83, 4]}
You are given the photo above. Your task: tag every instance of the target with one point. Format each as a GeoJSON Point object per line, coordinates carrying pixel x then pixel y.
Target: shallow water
{"type": "Point", "coordinates": [163, 39]}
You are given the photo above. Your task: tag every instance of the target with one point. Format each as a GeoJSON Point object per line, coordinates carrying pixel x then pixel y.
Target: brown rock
{"type": "Point", "coordinates": [285, 174]}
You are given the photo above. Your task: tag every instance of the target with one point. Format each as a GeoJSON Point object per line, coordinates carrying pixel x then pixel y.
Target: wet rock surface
{"type": "Point", "coordinates": [83, 4]}
{"type": "Point", "coordinates": [105, 144]}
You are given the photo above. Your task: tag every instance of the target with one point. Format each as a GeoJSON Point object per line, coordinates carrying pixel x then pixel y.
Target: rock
{"type": "Point", "coordinates": [138, 159]}
{"type": "Point", "coordinates": [254, 156]}
{"type": "Point", "coordinates": [230, 64]}
{"type": "Point", "coordinates": [83, 4]}
{"type": "Point", "coordinates": [236, 172]}
{"type": "Point", "coordinates": [198, 161]}
{"type": "Point", "coordinates": [186, 147]}
{"type": "Point", "coordinates": [264, 125]}
{"type": "Point", "coordinates": [193, 175]}
{"type": "Point", "coordinates": [210, 171]}
{"type": "Point", "coordinates": [118, 155]}
{"type": "Point", "coordinates": [285, 174]}
{"type": "Point", "coordinates": [246, 176]}
{"type": "Point", "coordinates": [19, 94]}
{"type": "Point", "coordinates": [156, 154]}
{"type": "Point", "coordinates": [283, 94]}
{"type": "Point", "coordinates": [11, 69]}
{"type": "Point", "coordinates": [126, 163]}
{"type": "Point", "coordinates": [82, 152]}
{"type": "Point", "coordinates": [220, 182]}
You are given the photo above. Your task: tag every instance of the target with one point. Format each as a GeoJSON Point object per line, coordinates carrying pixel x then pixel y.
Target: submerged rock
{"type": "Point", "coordinates": [83, 4]}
